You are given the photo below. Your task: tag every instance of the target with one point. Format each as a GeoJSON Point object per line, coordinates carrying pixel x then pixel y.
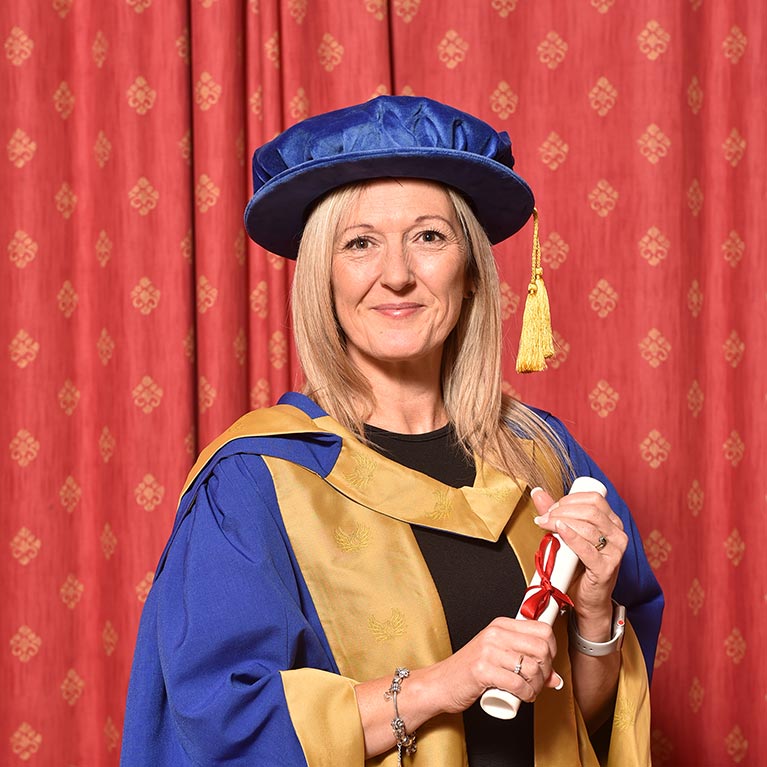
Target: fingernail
{"type": "Point", "coordinates": [561, 683]}
{"type": "Point", "coordinates": [541, 520]}
{"type": "Point", "coordinates": [535, 490]}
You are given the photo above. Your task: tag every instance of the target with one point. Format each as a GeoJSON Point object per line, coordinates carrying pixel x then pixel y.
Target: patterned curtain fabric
{"type": "Point", "coordinates": [138, 321]}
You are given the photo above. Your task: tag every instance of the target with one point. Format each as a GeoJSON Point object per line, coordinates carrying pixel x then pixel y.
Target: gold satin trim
{"type": "Point", "coordinates": [321, 729]}
{"type": "Point", "coordinates": [630, 742]}
{"type": "Point", "coordinates": [280, 419]}
{"type": "Point", "coordinates": [373, 593]}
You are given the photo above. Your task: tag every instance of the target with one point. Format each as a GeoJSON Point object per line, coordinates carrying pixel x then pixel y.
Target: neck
{"type": "Point", "coordinates": [407, 397]}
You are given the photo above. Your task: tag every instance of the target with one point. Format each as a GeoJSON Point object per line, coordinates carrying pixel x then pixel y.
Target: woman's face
{"type": "Point", "coordinates": [398, 273]}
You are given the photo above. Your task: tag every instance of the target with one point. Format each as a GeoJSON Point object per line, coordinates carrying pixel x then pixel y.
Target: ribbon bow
{"type": "Point", "coordinates": [534, 605]}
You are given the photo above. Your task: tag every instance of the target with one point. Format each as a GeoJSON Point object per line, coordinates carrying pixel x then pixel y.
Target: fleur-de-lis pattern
{"type": "Point", "coordinates": [142, 322]}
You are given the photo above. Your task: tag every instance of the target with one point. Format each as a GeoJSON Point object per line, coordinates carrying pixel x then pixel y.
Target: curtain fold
{"type": "Point", "coordinates": [139, 321]}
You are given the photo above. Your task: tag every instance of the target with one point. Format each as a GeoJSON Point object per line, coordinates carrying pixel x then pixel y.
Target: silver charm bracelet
{"type": "Point", "coordinates": [405, 741]}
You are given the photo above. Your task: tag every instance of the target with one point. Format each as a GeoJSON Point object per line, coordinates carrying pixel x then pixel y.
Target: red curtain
{"type": "Point", "coordinates": [141, 322]}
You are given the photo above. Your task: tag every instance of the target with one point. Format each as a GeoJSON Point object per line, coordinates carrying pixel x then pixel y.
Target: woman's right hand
{"type": "Point", "coordinates": [489, 660]}
{"type": "Point", "coordinates": [452, 685]}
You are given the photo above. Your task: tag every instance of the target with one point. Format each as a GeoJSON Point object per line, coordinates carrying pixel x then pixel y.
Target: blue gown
{"type": "Point", "coordinates": [230, 611]}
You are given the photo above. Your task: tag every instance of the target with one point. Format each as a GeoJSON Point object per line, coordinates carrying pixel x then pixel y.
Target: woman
{"type": "Point", "coordinates": [382, 526]}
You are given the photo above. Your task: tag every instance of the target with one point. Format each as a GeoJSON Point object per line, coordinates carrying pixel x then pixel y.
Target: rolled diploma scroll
{"type": "Point", "coordinates": [500, 703]}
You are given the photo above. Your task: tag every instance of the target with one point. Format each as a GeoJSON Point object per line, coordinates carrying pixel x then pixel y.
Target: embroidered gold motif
{"type": "Point", "coordinates": [143, 196]}
{"type": "Point", "coordinates": [260, 394]}
{"type": "Point", "coordinates": [145, 296]}
{"type": "Point", "coordinates": [297, 9]}
{"type": "Point", "coordinates": [107, 444]}
{"type": "Point", "coordinates": [735, 646]}
{"type": "Point", "coordinates": [67, 299]}
{"type": "Point", "coordinates": [695, 197]}
{"type": "Point", "coordinates": [69, 396]}
{"type": "Point", "coordinates": [103, 248]}
{"type": "Point", "coordinates": [452, 49]}
{"type": "Point", "coordinates": [71, 591]}
{"type": "Point", "coordinates": [394, 626]}
{"type": "Point", "coordinates": [625, 716]}
{"type": "Point", "coordinates": [143, 586]}
{"type": "Point", "coordinates": [443, 506]}
{"type": "Point", "coordinates": [25, 644]}
{"type": "Point", "coordinates": [141, 96]}
{"type": "Point", "coordinates": [21, 148]}
{"type": "Point", "coordinates": [22, 249]}
{"type": "Point", "coordinates": [70, 494]}
{"type": "Point", "coordinates": [278, 350]}
{"type": "Point", "coordinates": [207, 92]}
{"type": "Point", "coordinates": [66, 200]}
{"type": "Point", "coordinates": [603, 399]}
{"type": "Point", "coordinates": [509, 301]}
{"type": "Point", "coordinates": [149, 493]}
{"type": "Point", "coordinates": [24, 448]}
{"type": "Point", "coordinates": [108, 541]}
{"type": "Point", "coordinates": [499, 494]}
{"type": "Point", "coordinates": [561, 350]}
{"type": "Point", "coordinates": [25, 742]}
{"type": "Point", "coordinates": [99, 49]}
{"type": "Point", "coordinates": [147, 395]}
{"type": "Point", "coordinates": [25, 546]}
{"type": "Point", "coordinates": [18, 46]}
{"type": "Point", "coordinates": [206, 394]}
{"type": "Point", "coordinates": [111, 735]}
{"type": "Point", "coordinates": [206, 193]}
{"type": "Point", "coordinates": [105, 346]}
{"type": "Point", "coordinates": [182, 46]}
{"type": "Point", "coordinates": [64, 100]}
{"type": "Point", "coordinates": [356, 540]}
{"type": "Point", "coordinates": [72, 687]}
{"type": "Point", "coordinates": [109, 638]}
{"type": "Point", "coordinates": [23, 349]}
{"type": "Point", "coordinates": [330, 52]}
{"type": "Point", "coordinates": [736, 744]}
{"type": "Point", "coordinates": [503, 100]}
{"type": "Point", "coordinates": [364, 470]}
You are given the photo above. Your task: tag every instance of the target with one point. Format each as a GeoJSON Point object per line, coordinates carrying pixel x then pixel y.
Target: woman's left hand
{"type": "Point", "coordinates": [588, 525]}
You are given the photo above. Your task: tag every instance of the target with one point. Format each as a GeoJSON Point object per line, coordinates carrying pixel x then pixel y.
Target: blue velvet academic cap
{"type": "Point", "coordinates": [388, 137]}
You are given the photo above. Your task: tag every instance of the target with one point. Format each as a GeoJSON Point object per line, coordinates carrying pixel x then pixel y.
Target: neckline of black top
{"type": "Point", "coordinates": [400, 437]}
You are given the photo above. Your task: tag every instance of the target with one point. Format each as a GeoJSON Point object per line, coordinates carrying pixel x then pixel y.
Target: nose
{"type": "Point", "coordinates": [396, 271]}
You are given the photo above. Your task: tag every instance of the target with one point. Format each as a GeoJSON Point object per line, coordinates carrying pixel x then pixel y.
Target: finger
{"type": "Point", "coordinates": [602, 562]}
{"type": "Point", "coordinates": [588, 501]}
{"type": "Point", "coordinates": [599, 536]}
{"type": "Point", "coordinates": [590, 522]}
{"type": "Point", "coordinates": [534, 638]}
{"type": "Point", "coordinates": [555, 681]}
{"type": "Point", "coordinates": [542, 500]}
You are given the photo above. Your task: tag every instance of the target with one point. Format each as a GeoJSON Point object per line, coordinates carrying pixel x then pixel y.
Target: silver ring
{"type": "Point", "coordinates": [601, 543]}
{"type": "Point", "coordinates": [518, 667]}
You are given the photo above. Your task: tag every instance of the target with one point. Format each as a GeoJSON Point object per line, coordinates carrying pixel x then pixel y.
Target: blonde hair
{"type": "Point", "coordinates": [496, 428]}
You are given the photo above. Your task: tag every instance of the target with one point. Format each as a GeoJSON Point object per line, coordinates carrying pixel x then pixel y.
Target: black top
{"type": "Point", "coordinates": [476, 580]}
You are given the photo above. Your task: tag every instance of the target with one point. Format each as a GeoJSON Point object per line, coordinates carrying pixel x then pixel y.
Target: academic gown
{"type": "Point", "coordinates": [292, 573]}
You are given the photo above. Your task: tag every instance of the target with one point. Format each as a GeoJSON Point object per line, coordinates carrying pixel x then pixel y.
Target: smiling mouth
{"type": "Point", "coordinates": [397, 310]}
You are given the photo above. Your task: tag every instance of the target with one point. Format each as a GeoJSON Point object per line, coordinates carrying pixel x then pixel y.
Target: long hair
{"type": "Point", "coordinates": [497, 429]}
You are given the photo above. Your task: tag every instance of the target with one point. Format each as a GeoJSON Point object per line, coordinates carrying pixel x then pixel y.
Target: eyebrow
{"type": "Point", "coordinates": [418, 220]}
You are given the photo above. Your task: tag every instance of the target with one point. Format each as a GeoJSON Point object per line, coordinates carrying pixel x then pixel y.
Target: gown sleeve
{"type": "Point", "coordinates": [232, 665]}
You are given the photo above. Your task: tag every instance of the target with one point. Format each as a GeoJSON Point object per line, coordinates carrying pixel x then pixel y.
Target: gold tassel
{"type": "Point", "coordinates": [536, 344]}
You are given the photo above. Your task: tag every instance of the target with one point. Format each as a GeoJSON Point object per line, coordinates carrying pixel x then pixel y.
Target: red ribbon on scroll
{"type": "Point", "coordinates": [534, 605]}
